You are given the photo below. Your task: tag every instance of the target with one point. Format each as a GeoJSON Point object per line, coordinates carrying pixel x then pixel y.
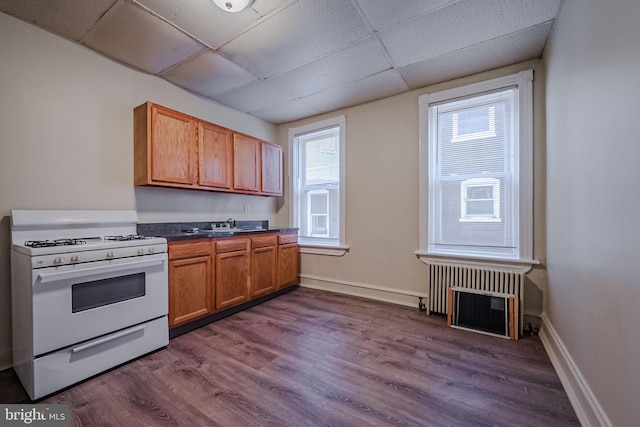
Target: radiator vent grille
{"type": "Point", "coordinates": [443, 276]}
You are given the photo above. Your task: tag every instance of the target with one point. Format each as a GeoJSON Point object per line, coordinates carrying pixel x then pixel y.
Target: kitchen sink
{"type": "Point", "coordinates": [229, 230]}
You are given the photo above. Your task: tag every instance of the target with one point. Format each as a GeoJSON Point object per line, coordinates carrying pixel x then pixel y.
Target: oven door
{"type": "Point", "coordinates": [73, 303]}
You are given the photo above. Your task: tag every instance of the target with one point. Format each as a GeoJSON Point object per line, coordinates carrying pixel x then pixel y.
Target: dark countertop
{"type": "Point", "coordinates": [178, 231]}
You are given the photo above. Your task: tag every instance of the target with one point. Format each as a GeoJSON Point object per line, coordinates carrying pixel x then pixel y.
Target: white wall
{"type": "Point", "coordinates": [593, 307]}
{"type": "Point", "coordinates": [66, 133]}
{"type": "Point", "coordinates": [382, 199]}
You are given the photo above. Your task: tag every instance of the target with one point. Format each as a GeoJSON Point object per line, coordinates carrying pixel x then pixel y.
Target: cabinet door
{"type": "Point", "coordinates": [271, 169]}
{"type": "Point", "coordinates": [215, 156]}
{"type": "Point", "coordinates": [264, 258]}
{"type": "Point", "coordinates": [173, 154]}
{"type": "Point", "coordinates": [232, 279]}
{"type": "Point", "coordinates": [246, 163]}
{"type": "Point", "coordinates": [190, 289]}
{"type": "Point", "coordinates": [287, 265]}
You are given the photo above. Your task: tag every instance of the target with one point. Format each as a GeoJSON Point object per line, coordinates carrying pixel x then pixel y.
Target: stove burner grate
{"type": "Point", "coordinates": [124, 238]}
{"type": "Point", "coordinates": [57, 242]}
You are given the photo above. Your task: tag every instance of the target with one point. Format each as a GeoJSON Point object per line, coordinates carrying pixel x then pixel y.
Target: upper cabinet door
{"type": "Point", "coordinates": [172, 146]}
{"type": "Point", "coordinates": [271, 169]}
{"type": "Point", "coordinates": [246, 163]}
{"type": "Point", "coordinates": [215, 156]}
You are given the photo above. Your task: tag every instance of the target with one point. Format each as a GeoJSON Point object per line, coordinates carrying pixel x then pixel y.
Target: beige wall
{"type": "Point", "coordinates": [593, 233]}
{"type": "Point", "coordinates": [66, 133]}
{"type": "Point", "coordinates": [382, 199]}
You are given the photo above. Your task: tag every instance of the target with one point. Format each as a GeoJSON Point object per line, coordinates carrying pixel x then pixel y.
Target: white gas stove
{"type": "Point", "coordinates": [87, 294]}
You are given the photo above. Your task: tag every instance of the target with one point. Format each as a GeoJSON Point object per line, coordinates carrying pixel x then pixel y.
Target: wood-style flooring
{"type": "Point", "coordinates": [313, 358]}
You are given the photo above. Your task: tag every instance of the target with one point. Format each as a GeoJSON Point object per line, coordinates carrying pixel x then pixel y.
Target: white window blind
{"type": "Point", "coordinates": [319, 183]}
{"type": "Point", "coordinates": [317, 158]}
{"type": "Point", "coordinates": [476, 173]}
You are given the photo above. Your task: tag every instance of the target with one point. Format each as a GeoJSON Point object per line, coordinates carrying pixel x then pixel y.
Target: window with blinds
{"type": "Point", "coordinates": [475, 189]}
{"type": "Point", "coordinates": [318, 172]}
{"type": "Point", "coordinates": [319, 183]}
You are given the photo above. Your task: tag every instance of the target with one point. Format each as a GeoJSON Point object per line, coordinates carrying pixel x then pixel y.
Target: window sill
{"type": "Point", "coordinates": [315, 249]}
{"type": "Point", "coordinates": [513, 265]}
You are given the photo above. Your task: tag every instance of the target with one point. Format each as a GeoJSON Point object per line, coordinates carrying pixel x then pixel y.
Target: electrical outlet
{"type": "Point", "coordinates": [246, 209]}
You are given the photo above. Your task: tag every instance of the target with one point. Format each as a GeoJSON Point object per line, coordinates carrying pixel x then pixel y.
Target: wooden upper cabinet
{"type": "Point", "coordinates": [173, 149]}
{"type": "Point", "coordinates": [215, 156]}
{"type": "Point", "coordinates": [271, 169]}
{"type": "Point", "coordinates": [165, 149]}
{"type": "Point", "coordinates": [246, 163]}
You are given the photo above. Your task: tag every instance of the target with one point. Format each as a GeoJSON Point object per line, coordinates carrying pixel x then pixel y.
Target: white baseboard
{"type": "Point", "coordinates": [587, 407]}
{"type": "Point", "coordinates": [363, 290]}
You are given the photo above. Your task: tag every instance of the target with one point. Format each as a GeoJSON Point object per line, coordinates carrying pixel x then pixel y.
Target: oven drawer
{"type": "Point", "coordinates": [78, 362]}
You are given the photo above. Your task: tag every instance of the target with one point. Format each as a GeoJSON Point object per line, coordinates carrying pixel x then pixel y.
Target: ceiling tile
{"type": "Point", "coordinates": [254, 96]}
{"type": "Point", "coordinates": [352, 63]}
{"type": "Point", "coordinates": [382, 13]}
{"type": "Point", "coordinates": [136, 37]}
{"type": "Point", "coordinates": [68, 19]}
{"type": "Point", "coordinates": [513, 48]}
{"type": "Point", "coordinates": [368, 89]}
{"type": "Point", "coordinates": [462, 24]}
{"type": "Point", "coordinates": [203, 19]}
{"type": "Point", "coordinates": [286, 112]}
{"type": "Point", "coordinates": [298, 34]}
{"type": "Point", "coordinates": [208, 74]}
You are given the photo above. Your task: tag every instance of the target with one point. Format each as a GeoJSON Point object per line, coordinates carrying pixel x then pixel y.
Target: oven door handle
{"type": "Point", "coordinates": [111, 337]}
{"type": "Point", "coordinates": [73, 274]}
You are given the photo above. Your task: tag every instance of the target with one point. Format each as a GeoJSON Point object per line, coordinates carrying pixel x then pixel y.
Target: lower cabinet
{"type": "Point", "coordinates": [232, 272]}
{"type": "Point", "coordinates": [190, 282]}
{"type": "Point", "coordinates": [287, 260]}
{"type": "Point", "coordinates": [264, 259]}
{"type": "Point", "coordinates": [211, 275]}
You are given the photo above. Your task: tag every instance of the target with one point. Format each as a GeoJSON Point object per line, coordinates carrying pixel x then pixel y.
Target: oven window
{"type": "Point", "coordinates": [88, 295]}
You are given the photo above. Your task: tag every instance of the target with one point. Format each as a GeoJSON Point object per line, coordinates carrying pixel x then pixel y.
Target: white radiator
{"type": "Point", "coordinates": [443, 276]}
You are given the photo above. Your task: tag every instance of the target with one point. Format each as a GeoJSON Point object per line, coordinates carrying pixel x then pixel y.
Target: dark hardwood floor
{"type": "Point", "coordinates": [313, 358]}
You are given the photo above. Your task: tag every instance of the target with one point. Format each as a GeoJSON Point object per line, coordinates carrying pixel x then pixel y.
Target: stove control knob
{"type": "Point", "coordinates": [110, 255]}
{"type": "Point", "coordinates": [75, 258]}
{"type": "Point", "coordinates": [140, 251]}
{"type": "Point", "coordinates": [58, 260]}
{"type": "Point", "coordinates": [152, 250]}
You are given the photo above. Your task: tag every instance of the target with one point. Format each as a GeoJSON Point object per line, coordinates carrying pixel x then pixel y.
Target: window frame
{"type": "Point", "coordinates": [474, 135]}
{"type": "Point", "coordinates": [316, 245]}
{"type": "Point", "coordinates": [480, 182]}
{"type": "Point", "coordinates": [523, 257]}
{"type": "Point", "coordinates": [310, 214]}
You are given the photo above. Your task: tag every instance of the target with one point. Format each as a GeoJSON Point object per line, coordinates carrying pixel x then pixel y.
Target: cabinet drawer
{"type": "Point", "coordinates": [283, 239]}
{"type": "Point", "coordinates": [263, 241]}
{"type": "Point", "coordinates": [187, 250]}
{"type": "Point", "coordinates": [231, 245]}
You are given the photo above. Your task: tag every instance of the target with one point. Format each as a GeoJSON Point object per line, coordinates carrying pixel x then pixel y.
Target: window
{"type": "Point", "coordinates": [474, 123]}
{"type": "Point", "coordinates": [318, 213]}
{"type": "Point", "coordinates": [476, 171]}
{"type": "Point", "coordinates": [480, 200]}
{"type": "Point", "coordinates": [317, 199]}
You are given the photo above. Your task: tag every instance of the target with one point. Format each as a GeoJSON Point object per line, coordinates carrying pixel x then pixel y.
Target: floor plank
{"type": "Point", "coordinates": [313, 358]}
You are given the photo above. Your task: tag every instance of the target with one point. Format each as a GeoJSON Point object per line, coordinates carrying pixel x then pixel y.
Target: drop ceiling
{"type": "Point", "coordinates": [283, 60]}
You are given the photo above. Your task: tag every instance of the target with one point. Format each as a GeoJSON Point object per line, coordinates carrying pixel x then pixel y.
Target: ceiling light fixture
{"type": "Point", "coordinates": [232, 5]}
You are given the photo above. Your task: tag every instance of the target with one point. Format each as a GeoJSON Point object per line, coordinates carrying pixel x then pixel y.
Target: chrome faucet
{"type": "Point", "coordinates": [230, 223]}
